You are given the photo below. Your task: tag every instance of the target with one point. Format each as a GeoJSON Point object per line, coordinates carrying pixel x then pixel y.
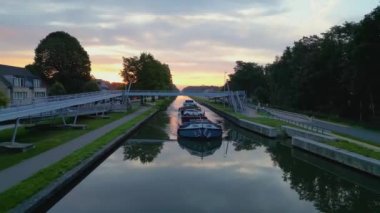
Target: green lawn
{"type": "Point", "coordinates": [356, 149]}
{"type": "Point", "coordinates": [268, 121]}
{"type": "Point", "coordinates": [358, 139]}
{"type": "Point", "coordinates": [27, 188]}
{"type": "Point", "coordinates": [261, 120]}
{"type": "Point", "coordinates": [277, 123]}
{"type": "Point", "coordinates": [45, 139]}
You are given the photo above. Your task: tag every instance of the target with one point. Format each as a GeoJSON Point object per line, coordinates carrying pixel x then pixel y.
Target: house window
{"type": "Point", "coordinates": [39, 94]}
{"type": "Point", "coordinates": [36, 83]}
{"type": "Point", "coordinates": [19, 82]}
{"type": "Point", "coordinates": [20, 95]}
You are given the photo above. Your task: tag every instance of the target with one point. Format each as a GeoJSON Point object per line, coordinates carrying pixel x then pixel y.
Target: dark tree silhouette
{"type": "Point", "coordinates": [60, 57]}
{"type": "Point", "coordinates": [334, 74]}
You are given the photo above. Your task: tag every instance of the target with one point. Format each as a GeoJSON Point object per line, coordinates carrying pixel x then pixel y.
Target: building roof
{"type": "Point", "coordinates": [16, 71]}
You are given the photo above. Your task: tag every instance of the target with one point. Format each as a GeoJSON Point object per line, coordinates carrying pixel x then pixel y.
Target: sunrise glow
{"type": "Point", "coordinates": [199, 42]}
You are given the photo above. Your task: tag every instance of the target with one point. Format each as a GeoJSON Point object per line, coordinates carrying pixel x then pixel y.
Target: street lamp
{"type": "Point", "coordinates": [224, 88]}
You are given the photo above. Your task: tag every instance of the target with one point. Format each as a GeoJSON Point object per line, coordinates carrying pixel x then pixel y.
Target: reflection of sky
{"type": "Point", "coordinates": [177, 181]}
{"type": "Point", "coordinates": [174, 119]}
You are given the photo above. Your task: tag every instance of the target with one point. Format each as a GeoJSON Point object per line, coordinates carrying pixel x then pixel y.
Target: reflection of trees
{"type": "Point", "coordinates": [143, 152]}
{"type": "Point", "coordinates": [244, 140]}
{"type": "Point", "coordinates": [328, 192]}
{"type": "Point", "coordinates": [155, 128]}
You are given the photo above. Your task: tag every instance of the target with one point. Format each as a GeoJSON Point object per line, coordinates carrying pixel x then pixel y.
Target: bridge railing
{"type": "Point", "coordinates": [45, 101]}
{"type": "Point", "coordinates": [51, 99]}
{"type": "Point", "coordinates": [174, 93]}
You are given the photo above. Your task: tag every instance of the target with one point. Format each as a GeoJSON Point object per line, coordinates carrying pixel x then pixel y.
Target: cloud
{"type": "Point", "coordinates": [199, 36]}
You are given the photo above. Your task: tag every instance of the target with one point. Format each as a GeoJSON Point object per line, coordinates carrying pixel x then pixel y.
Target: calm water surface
{"type": "Point", "coordinates": [153, 172]}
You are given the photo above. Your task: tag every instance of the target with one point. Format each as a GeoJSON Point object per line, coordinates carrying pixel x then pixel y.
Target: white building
{"type": "Point", "coordinates": [20, 85]}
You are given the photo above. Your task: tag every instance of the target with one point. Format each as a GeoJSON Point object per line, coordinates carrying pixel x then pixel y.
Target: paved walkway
{"type": "Point", "coordinates": [250, 112]}
{"type": "Point", "coordinates": [13, 175]}
{"type": "Point", "coordinates": [364, 134]}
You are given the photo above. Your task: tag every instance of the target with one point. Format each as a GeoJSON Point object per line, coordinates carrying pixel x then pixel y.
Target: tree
{"type": "Point", "coordinates": [366, 61]}
{"type": "Point", "coordinates": [336, 73]}
{"type": "Point", "coordinates": [249, 77]}
{"type": "Point", "coordinates": [57, 89]}
{"type": "Point", "coordinates": [60, 57]}
{"type": "Point", "coordinates": [3, 100]}
{"type": "Point", "coordinates": [91, 86]}
{"type": "Point", "coordinates": [146, 73]}
{"type": "Point", "coordinates": [131, 66]}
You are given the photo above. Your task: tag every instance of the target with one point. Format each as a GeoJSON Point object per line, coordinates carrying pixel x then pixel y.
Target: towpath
{"type": "Point", "coordinates": [359, 133]}
{"type": "Point", "coordinates": [15, 174]}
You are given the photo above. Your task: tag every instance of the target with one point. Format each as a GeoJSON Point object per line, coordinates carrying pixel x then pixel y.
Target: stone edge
{"type": "Point", "coordinates": [55, 187]}
{"type": "Point", "coordinates": [238, 121]}
{"type": "Point", "coordinates": [303, 143]}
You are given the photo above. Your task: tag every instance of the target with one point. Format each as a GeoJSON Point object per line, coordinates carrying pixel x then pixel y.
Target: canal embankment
{"type": "Point", "coordinates": [359, 157]}
{"type": "Point", "coordinates": [48, 133]}
{"type": "Point", "coordinates": [34, 190]}
{"type": "Point", "coordinates": [263, 126]}
{"type": "Point", "coordinates": [354, 160]}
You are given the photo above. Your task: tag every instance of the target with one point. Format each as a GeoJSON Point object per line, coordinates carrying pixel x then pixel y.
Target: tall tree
{"type": "Point", "coordinates": [336, 73]}
{"type": "Point", "coordinates": [249, 76]}
{"type": "Point", "coordinates": [367, 64]}
{"type": "Point", "coordinates": [60, 57]}
{"type": "Point", "coordinates": [145, 72]}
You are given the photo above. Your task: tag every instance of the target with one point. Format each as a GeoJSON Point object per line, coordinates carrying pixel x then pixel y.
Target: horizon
{"type": "Point", "coordinates": [200, 41]}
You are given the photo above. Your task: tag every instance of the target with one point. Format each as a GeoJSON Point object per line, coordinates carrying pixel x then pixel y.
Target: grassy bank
{"type": "Point", "coordinates": [261, 120]}
{"type": "Point", "coordinates": [355, 149]}
{"type": "Point", "coordinates": [357, 139]}
{"type": "Point", "coordinates": [342, 144]}
{"type": "Point", "coordinates": [47, 138]}
{"type": "Point", "coordinates": [27, 188]}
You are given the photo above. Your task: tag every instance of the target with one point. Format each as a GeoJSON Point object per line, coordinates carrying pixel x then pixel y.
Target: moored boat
{"type": "Point", "coordinates": [192, 114]}
{"type": "Point", "coordinates": [200, 129]}
{"type": "Point", "coordinates": [187, 105]}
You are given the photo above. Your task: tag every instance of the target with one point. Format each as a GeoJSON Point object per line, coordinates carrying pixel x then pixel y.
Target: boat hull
{"type": "Point", "coordinates": [200, 132]}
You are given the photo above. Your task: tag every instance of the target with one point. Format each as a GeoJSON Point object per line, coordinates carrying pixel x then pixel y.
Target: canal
{"type": "Point", "coordinates": [153, 172]}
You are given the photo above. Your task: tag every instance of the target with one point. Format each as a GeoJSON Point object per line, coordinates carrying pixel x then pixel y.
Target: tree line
{"type": "Point", "coordinates": [65, 67]}
{"type": "Point", "coordinates": [335, 73]}
{"type": "Point", "coordinates": [203, 88]}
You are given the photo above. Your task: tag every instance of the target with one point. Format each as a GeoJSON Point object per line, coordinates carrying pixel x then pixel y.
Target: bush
{"type": "Point", "coordinates": [57, 89]}
{"type": "Point", "coordinates": [91, 86]}
{"type": "Point", "coordinates": [162, 104]}
{"type": "Point", "coordinates": [3, 100]}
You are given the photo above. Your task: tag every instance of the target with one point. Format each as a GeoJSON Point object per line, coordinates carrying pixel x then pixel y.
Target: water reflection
{"type": "Point", "coordinates": [200, 148]}
{"type": "Point", "coordinates": [155, 128]}
{"type": "Point", "coordinates": [328, 192]}
{"type": "Point", "coordinates": [244, 172]}
{"type": "Point", "coordinates": [143, 152]}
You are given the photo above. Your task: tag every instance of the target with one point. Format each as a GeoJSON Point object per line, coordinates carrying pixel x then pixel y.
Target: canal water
{"type": "Point", "coordinates": [244, 172]}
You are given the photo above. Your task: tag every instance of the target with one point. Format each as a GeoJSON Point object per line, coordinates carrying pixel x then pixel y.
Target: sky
{"type": "Point", "coordinates": [200, 40]}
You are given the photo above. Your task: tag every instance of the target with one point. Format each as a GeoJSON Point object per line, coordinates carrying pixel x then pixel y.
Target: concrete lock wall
{"type": "Point", "coordinates": [259, 128]}
{"type": "Point", "coordinates": [296, 132]}
{"type": "Point", "coordinates": [252, 126]}
{"type": "Point", "coordinates": [369, 165]}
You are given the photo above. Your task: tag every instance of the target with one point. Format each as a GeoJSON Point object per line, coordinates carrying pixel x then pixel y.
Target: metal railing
{"type": "Point", "coordinates": [54, 103]}
{"type": "Point", "coordinates": [51, 103]}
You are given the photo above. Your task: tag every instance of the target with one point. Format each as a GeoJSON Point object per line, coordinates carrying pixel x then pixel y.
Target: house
{"type": "Point", "coordinates": [20, 85]}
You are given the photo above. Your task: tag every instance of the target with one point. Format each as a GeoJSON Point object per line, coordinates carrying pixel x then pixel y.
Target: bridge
{"type": "Point", "coordinates": [45, 105]}
{"type": "Point", "coordinates": [87, 104]}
